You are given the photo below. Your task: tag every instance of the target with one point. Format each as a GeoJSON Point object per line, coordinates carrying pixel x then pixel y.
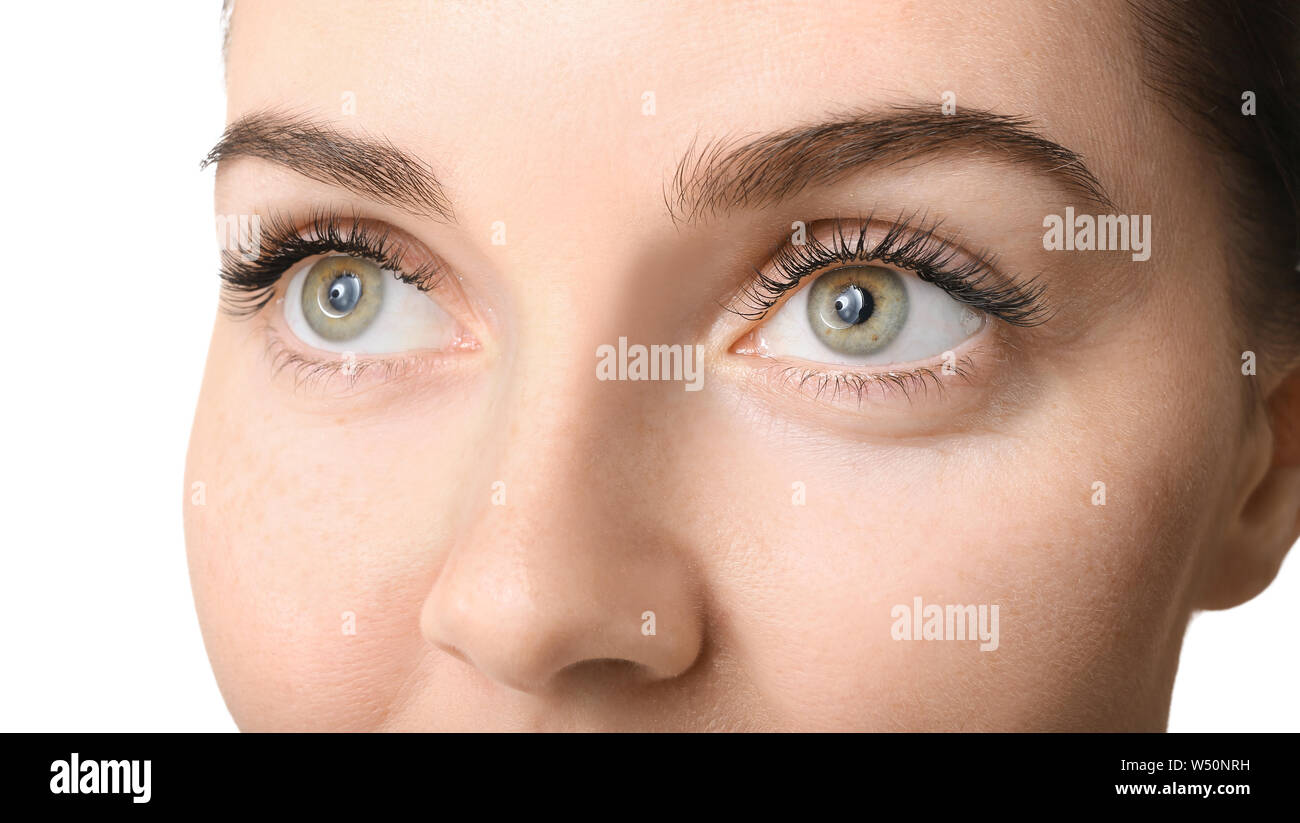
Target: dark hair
{"type": "Point", "coordinates": [1202, 56]}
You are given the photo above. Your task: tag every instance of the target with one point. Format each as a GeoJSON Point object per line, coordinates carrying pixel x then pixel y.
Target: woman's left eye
{"type": "Point", "coordinates": [346, 303]}
{"type": "Point", "coordinates": [865, 315]}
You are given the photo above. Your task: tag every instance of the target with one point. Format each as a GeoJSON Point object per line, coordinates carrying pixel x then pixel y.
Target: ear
{"type": "Point", "coordinates": [1267, 523]}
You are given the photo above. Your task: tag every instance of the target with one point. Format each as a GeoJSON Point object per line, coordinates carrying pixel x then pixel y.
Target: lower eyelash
{"type": "Point", "coordinates": [310, 372]}
{"type": "Point", "coordinates": [861, 384]}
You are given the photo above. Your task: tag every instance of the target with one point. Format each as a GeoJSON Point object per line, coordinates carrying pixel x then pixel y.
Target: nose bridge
{"type": "Point", "coordinates": [556, 422]}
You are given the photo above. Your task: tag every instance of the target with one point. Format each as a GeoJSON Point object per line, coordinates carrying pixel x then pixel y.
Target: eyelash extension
{"type": "Point", "coordinates": [919, 250]}
{"type": "Point", "coordinates": [247, 285]}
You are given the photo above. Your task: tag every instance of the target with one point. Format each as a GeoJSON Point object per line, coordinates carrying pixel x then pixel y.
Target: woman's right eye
{"type": "Point", "coordinates": [343, 303]}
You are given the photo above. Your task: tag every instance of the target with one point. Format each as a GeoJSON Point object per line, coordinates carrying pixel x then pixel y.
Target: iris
{"type": "Point", "coordinates": [857, 309]}
{"type": "Point", "coordinates": [341, 296]}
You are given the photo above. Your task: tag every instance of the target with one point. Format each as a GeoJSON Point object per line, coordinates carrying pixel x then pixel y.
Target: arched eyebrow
{"type": "Point", "coordinates": [752, 172]}
{"type": "Point", "coordinates": [721, 176]}
{"type": "Point", "coordinates": [370, 167]}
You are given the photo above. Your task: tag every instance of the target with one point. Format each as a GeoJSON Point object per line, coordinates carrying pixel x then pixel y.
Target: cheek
{"type": "Point", "coordinates": [1091, 597]}
{"type": "Point", "coordinates": [312, 553]}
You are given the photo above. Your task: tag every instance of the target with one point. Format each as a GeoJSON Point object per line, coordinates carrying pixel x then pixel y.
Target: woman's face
{"type": "Point", "coordinates": [442, 509]}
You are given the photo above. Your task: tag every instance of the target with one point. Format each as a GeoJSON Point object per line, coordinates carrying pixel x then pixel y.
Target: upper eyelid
{"type": "Point", "coordinates": [908, 242]}
{"type": "Point", "coordinates": [283, 242]}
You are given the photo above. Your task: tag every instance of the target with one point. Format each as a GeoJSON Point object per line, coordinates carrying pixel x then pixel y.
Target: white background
{"type": "Point", "coordinates": [109, 272]}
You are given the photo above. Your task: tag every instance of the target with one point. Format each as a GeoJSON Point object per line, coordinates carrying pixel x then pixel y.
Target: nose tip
{"type": "Point", "coordinates": [530, 643]}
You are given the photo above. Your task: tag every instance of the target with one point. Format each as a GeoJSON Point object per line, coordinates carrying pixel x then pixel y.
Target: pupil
{"type": "Point", "coordinates": [854, 305]}
{"type": "Point", "coordinates": [345, 291]}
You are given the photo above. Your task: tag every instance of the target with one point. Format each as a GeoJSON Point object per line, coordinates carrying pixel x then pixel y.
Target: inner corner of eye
{"type": "Point", "coordinates": [751, 343]}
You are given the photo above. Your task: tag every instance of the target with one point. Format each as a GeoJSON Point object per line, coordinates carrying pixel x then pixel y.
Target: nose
{"type": "Point", "coordinates": [557, 580]}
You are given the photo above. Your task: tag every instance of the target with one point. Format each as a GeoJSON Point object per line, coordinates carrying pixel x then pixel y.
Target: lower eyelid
{"type": "Point", "coordinates": [891, 406]}
{"type": "Point", "coordinates": [863, 383]}
{"type": "Point", "coordinates": [307, 370]}
{"type": "Point", "coordinates": [901, 399]}
{"type": "Point", "coordinates": [318, 392]}
{"type": "Point", "coordinates": [304, 368]}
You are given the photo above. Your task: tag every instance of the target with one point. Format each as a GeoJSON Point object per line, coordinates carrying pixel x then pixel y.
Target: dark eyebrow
{"type": "Point", "coordinates": [757, 171]}
{"type": "Point", "coordinates": [368, 166]}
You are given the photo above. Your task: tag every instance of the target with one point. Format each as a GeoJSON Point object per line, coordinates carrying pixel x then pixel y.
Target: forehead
{"type": "Point", "coordinates": [480, 87]}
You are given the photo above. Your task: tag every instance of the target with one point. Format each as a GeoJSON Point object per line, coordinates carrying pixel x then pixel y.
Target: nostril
{"type": "Point", "coordinates": [607, 670]}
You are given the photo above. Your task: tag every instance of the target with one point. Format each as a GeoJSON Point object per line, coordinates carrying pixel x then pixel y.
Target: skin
{"type": "Point", "coordinates": [376, 498]}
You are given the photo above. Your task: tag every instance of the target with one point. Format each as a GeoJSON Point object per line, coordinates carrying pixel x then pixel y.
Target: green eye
{"type": "Point", "coordinates": [857, 309]}
{"type": "Point", "coordinates": [341, 296]}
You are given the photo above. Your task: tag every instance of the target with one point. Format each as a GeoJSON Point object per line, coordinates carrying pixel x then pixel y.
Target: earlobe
{"type": "Point", "coordinates": [1268, 522]}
